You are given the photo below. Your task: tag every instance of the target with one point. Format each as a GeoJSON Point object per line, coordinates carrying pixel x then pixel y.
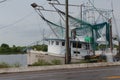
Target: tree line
{"type": "Point", "coordinates": [6, 49]}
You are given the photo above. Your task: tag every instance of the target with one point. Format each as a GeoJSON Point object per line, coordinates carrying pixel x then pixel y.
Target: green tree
{"type": "Point", "coordinates": [5, 45]}
{"type": "Point", "coordinates": [5, 48]}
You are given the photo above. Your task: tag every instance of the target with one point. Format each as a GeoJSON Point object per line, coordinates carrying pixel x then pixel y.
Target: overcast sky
{"type": "Point", "coordinates": [21, 25]}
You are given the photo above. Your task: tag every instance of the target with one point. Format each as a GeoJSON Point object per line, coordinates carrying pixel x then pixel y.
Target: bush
{"type": "Point", "coordinates": [92, 59]}
{"type": "Point", "coordinates": [87, 57]}
{"type": "Point", "coordinates": [56, 62]}
{"type": "Point", "coordinates": [41, 63]}
{"type": "Point", "coordinates": [102, 58]}
{"type": "Point", "coordinates": [42, 47]}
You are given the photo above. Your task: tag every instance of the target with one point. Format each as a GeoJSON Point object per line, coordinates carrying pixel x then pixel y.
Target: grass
{"type": "Point", "coordinates": [4, 65]}
{"type": "Point", "coordinates": [41, 63]}
{"type": "Point", "coordinates": [46, 63]}
{"type": "Point", "coordinates": [56, 62]}
{"type": "Point", "coordinates": [16, 65]}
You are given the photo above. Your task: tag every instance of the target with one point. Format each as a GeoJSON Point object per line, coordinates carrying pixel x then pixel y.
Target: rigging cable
{"type": "Point", "coordinates": [115, 21]}
{"type": "Point", "coordinates": [41, 15]}
{"type": "Point", "coordinates": [58, 12]}
{"type": "Point", "coordinates": [98, 10]}
{"type": "Point", "coordinates": [47, 21]}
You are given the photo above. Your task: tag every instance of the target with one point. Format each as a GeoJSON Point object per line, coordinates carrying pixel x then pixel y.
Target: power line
{"type": "Point", "coordinates": [17, 21]}
{"type": "Point", "coordinates": [3, 1]}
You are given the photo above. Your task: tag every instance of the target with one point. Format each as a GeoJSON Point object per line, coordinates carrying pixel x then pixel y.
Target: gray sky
{"type": "Point", "coordinates": [21, 25]}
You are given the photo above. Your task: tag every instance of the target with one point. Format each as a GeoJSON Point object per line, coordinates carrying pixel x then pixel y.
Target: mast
{"type": "Point", "coordinates": [81, 11]}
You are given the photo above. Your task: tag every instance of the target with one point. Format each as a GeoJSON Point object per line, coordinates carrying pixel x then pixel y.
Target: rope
{"type": "Point", "coordinates": [41, 15]}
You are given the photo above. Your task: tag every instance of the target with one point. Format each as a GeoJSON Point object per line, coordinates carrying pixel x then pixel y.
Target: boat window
{"type": "Point", "coordinates": [52, 42]}
{"type": "Point", "coordinates": [87, 46]}
{"type": "Point", "coordinates": [76, 52]}
{"type": "Point", "coordinates": [76, 45]}
{"type": "Point", "coordinates": [49, 42]}
{"type": "Point", "coordinates": [57, 43]}
{"type": "Point", "coordinates": [63, 43]}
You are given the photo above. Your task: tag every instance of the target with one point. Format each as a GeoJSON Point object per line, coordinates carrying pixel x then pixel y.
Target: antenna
{"type": "Point", "coordinates": [43, 35]}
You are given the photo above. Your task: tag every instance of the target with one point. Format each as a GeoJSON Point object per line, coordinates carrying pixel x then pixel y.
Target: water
{"type": "Point", "coordinates": [14, 59]}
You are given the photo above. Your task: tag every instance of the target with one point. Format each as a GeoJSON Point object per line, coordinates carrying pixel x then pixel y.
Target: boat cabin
{"type": "Point", "coordinates": [77, 48]}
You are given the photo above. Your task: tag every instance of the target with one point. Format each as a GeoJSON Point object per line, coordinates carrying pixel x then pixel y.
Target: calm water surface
{"type": "Point", "coordinates": [14, 59]}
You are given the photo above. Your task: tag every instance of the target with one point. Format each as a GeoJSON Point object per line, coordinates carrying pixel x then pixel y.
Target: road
{"type": "Point", "coordinates": [99, 73]}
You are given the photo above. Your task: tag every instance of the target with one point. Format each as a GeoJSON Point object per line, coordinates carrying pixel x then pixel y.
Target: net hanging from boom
{"type": "Point", "coordinates": [95, 31]}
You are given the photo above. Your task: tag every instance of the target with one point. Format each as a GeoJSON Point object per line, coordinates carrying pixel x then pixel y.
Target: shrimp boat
{"type": "Point", "coordinates": [88, 32]}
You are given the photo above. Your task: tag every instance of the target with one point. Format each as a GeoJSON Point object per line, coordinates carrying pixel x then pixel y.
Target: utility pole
{"type": "Point", "coordinates": [119, 50]}
{"type": "Point", "coordinates": [111, 45]}
{"type": "Point", "coordinates": [67, 54]}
